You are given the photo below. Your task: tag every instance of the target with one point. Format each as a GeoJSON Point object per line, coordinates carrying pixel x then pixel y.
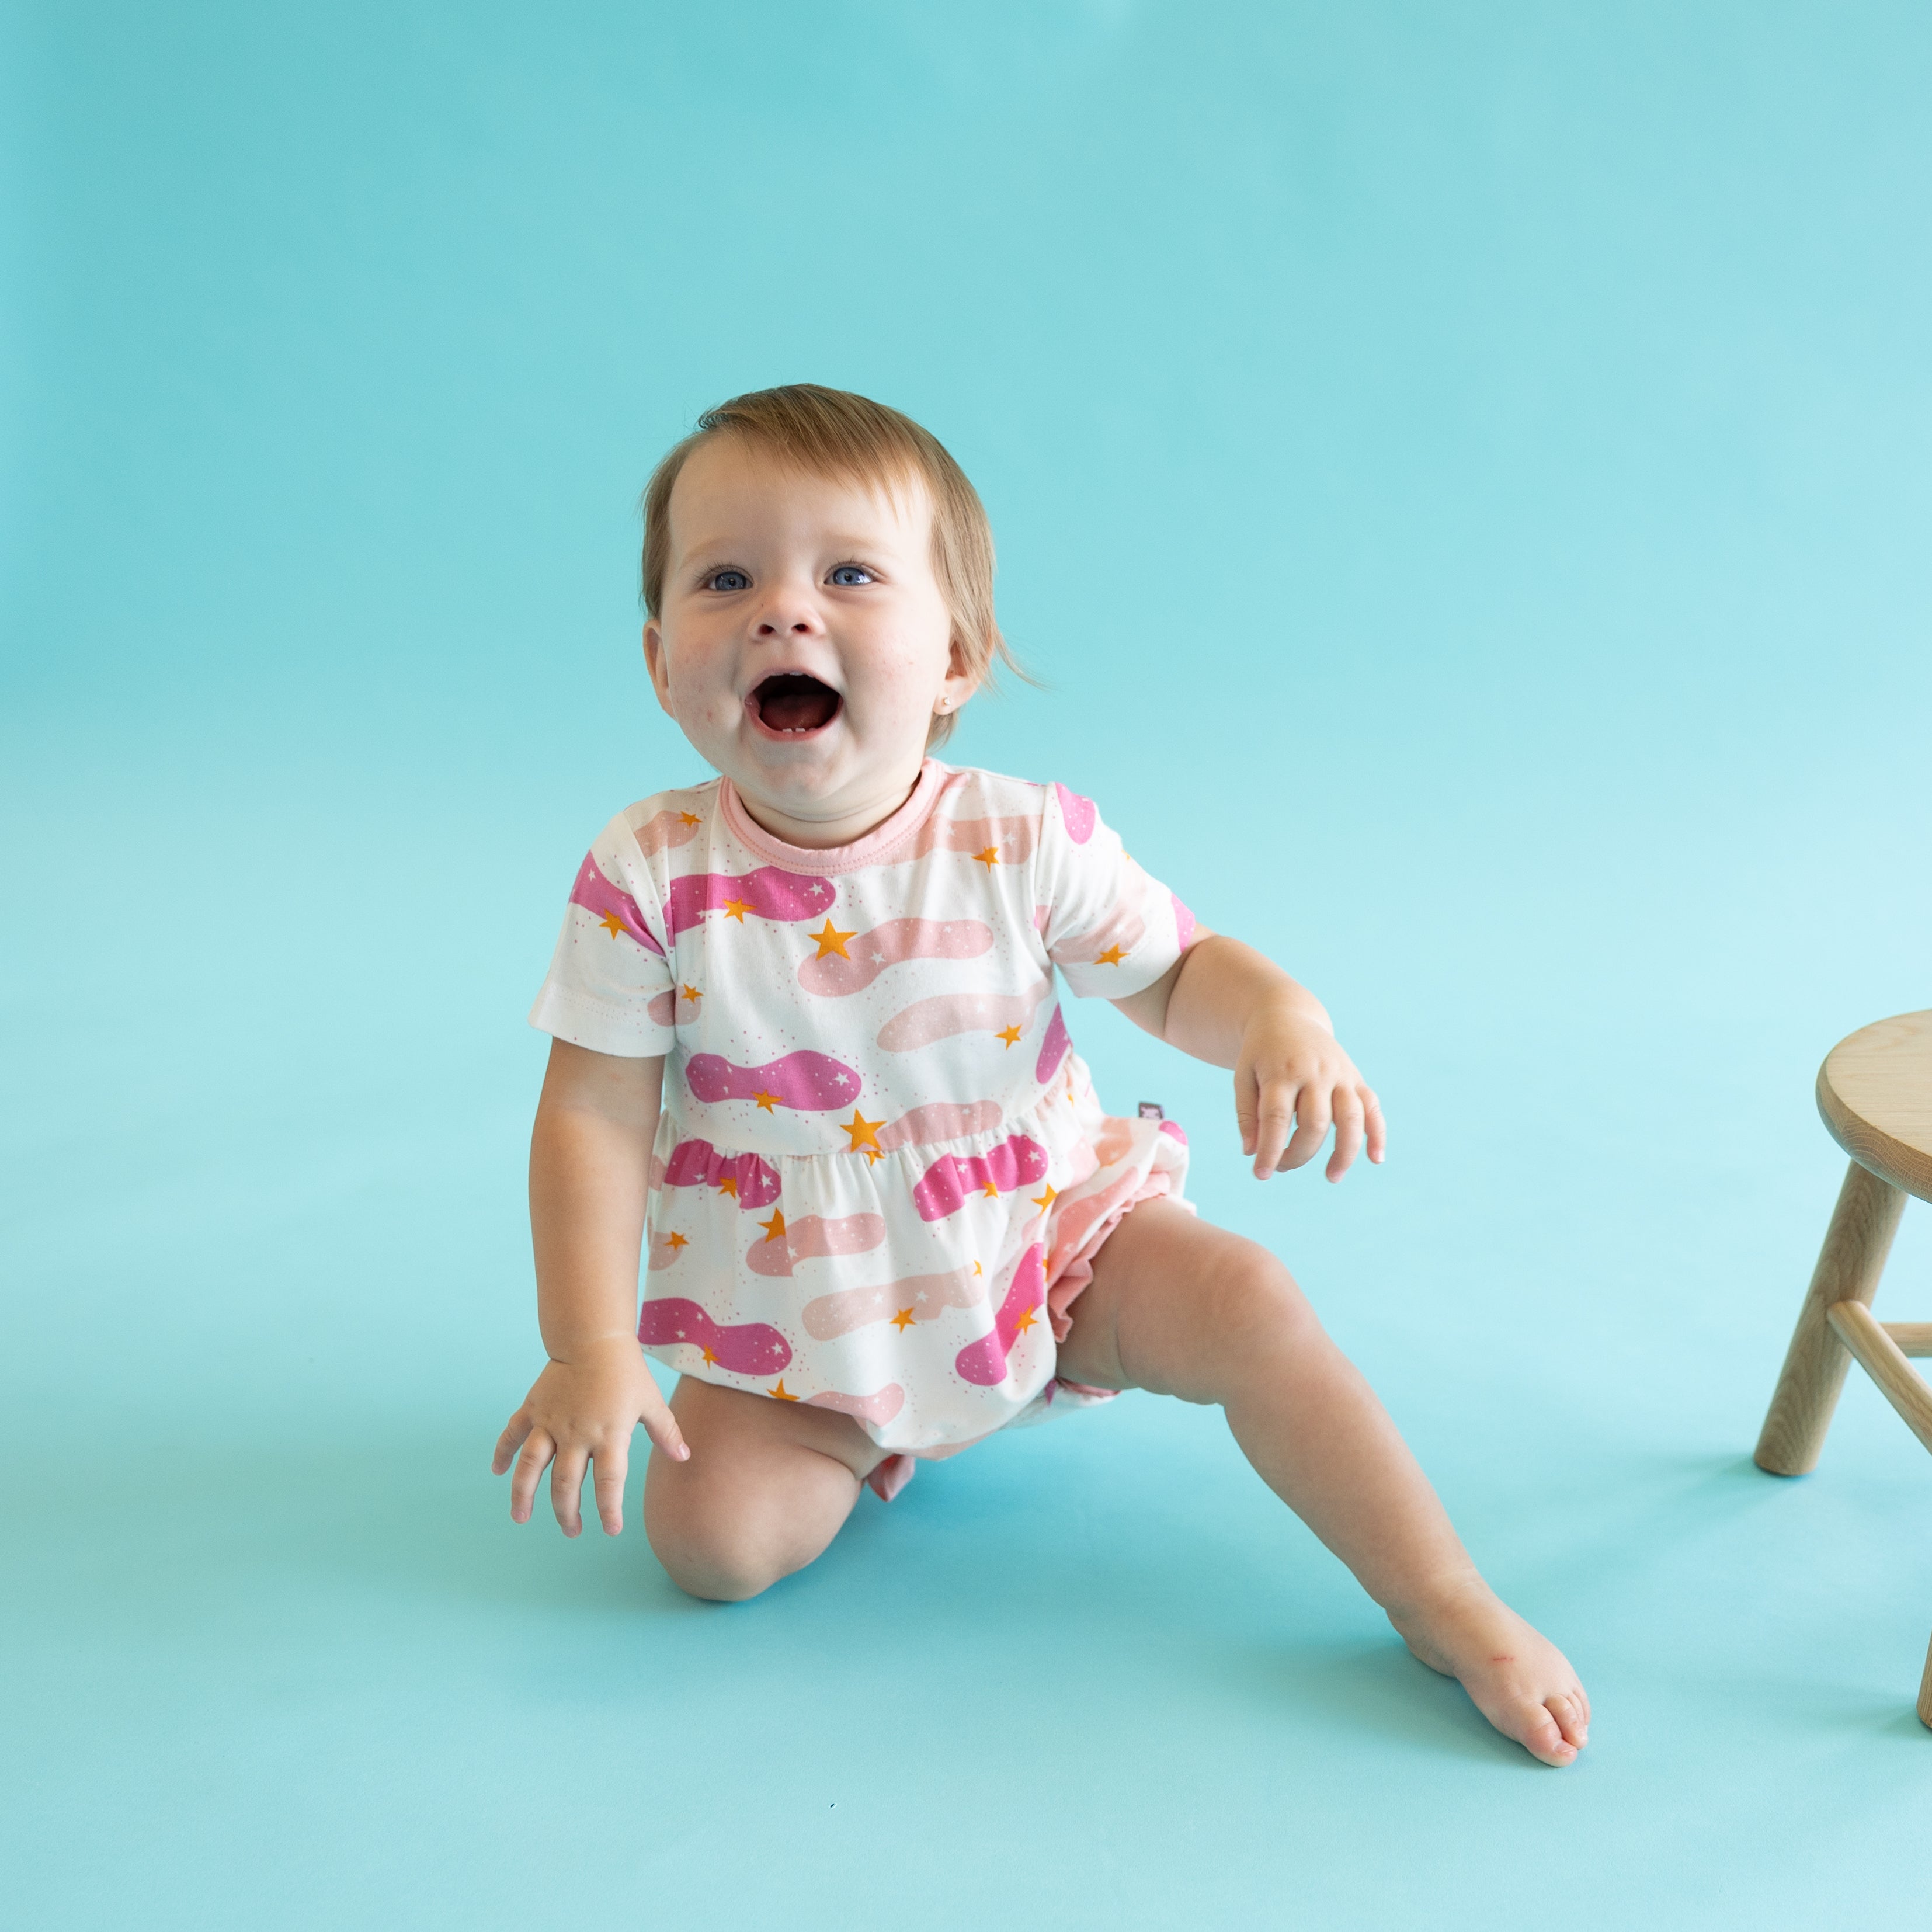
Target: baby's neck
{"type": "Point", "coordinates": [843, 821]}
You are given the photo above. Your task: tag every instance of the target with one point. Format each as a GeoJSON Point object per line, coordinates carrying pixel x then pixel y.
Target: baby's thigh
{"type": "Point", "coordinates": [767, 1486]}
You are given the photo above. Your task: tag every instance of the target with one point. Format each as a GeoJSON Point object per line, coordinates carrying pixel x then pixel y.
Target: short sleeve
{"type": "Point", "coordinates": [1110, 929]}
{"type": "Point", "coordinates": [610, 986]}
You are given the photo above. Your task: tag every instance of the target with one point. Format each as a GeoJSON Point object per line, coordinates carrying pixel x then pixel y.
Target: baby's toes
{"type": "Point", "coordinates": [1542, 1736]}
{"type": "Point", "coordinates": [1571, 1710]}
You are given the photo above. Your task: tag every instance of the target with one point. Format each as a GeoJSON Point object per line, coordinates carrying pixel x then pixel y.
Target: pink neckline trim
{"type": "Point", "coordinates": [868, 850]}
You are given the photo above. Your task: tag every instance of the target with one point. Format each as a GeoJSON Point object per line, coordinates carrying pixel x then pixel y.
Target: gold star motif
{"type": "Point", "coordinates": [1023, 1322]}
{"type": "Point", "coordinates": [989, 858]}
{"type": "Point", "coordinates": [775, 1227]}
{"type": "Point", "coordinates": [674, 1242]}
{"type": "Point", "coordinates": [690, 818]}
{"type": "Point", "coordinates": [691, 994]}
{"type": "Point", "coordinates": [1044, 1201]}
{"type": "Point", "coordinates": [736, 909]}
{"type": "Point", "coordinates": [611, 924]}
{"type": "Point", "coordinates": [1011, 1035]}
{"type": "Point", "coordinates": [991, 1190]}
{"type": "Point", "coordinates": [975, 1268]}
{"type": "Point", "coordinates": [766, 1101]}
{"type": "Point", "coordinates": [781, 1393]}
{"type": "Point", "coordinates": [728, 1184]}
{"type": "Point", "coordinates": [865, 1133]}
{"type": "Point", "coordinates": [709, 1356]}
{"type": "Point", "coordinates": [873, 1156]}
{"type": "Point", "coordinates": [1111, 957]}
{"type": "Point", "coordinates": [832, 940]}
{"type": "Point", "coordinates": [902, 1321]}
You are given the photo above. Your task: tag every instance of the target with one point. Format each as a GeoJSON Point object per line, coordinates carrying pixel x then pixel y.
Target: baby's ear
{"type": "Point", "coordinates": [655, 664]}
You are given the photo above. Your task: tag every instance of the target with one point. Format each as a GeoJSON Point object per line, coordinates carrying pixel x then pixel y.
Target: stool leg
{"type": "Point", "coordinates": [1925, 1693]}
{"type": "Point", "coordinates": [1849, 1266]}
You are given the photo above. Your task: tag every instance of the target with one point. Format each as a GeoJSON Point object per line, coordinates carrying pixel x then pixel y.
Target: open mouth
{"type": "Point", "coordinates": [792, 704]}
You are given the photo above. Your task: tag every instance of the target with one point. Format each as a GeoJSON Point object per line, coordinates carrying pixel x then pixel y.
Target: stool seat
{"type": "Point", "coordinates": [1875, 1093]}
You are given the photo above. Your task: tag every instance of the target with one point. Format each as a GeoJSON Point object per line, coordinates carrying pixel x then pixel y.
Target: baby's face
{"type": "Point", "coordinates": [802, 643]}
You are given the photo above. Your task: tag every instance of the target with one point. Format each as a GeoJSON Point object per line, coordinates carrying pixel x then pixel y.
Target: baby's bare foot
{"type": "Point", "coordinates": [1517, 1678]}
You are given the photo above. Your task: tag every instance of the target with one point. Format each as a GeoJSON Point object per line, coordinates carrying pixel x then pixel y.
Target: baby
{"type": "Point", "coordinates": [806, 1053]}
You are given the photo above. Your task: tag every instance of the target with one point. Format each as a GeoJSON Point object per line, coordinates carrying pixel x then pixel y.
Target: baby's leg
{"type": "Point", "coordinates": [1185, 1308]}
{"type": "Point", "coordinates": [767, 1487]}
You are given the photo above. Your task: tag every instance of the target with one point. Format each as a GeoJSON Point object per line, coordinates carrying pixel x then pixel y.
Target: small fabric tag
{"type": "Point", "coordinates": [1151, 1110]}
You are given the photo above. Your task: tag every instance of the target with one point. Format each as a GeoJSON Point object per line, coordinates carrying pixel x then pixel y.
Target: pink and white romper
{"type": "Point", "coordinates": [881, 1172]}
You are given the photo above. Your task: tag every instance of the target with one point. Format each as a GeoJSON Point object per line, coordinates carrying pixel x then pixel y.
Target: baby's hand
{"type": "Point", "coordinates": [1292, 1074]}
{"type": "Point", "coordinates": [581, 1411]}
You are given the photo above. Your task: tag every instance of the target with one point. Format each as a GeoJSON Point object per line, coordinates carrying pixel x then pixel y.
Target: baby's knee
{"type": "Point", "coordinates": [715, 1560]}
{"type": "Point", "coordinates": [1255, 1303]}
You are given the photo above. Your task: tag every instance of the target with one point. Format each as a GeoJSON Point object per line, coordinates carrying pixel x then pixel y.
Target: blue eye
{"type": "Point", "coordinates": [849, 576]}
{"type": "Point", "coordinates": [727, 579]}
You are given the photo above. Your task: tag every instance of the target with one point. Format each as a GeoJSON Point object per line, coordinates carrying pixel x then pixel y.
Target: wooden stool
{"type": "Point", "coordinates": [1875, 1092]}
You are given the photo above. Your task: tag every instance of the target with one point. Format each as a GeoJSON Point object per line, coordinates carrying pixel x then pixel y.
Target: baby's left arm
{"type": "Point", "coordinates": [1226, 1004]}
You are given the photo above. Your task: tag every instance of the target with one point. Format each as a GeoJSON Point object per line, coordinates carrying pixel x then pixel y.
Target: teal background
{"type": "Point", "coordinates": [1463, 475]}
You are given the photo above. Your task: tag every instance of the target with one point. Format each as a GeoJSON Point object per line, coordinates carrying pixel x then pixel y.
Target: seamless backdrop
{"type": "Point", "coordinates": [1462, 479]}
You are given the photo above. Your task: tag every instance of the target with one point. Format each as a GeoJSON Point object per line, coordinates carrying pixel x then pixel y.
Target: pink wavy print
{"type": "Point", "coordinates": [766, 893]}
{"type": "Point", "coordinates": [867, 954]}
{"type": "Point", "coordinates": [1079, 815]}
{"type": "Point", "coordinates": [595, 893]}
{"type": "Point", "coordinates": [810, 1081]}
{"type": "Point", "coordinates": [664, 829]}
{"type": "Point", "coordinates": [1124, 926]}
{"type": "Point", "coordinates": [1053, 1049]}
{"type": "Point", "coordinates": [1174, 1131]}
{"type": "Point", "coordinates": [1016, 1162]}
{"type": "Point", "coordinates": [1010, 840]}
{"type": "Point", "coordinates": [1183, 922]}
{"type": "Point", "coordinates": [749, 1348]}
{"type": "Point", "coordinates": [880, 1406]}
{"type": "Point", "coordinates": [665, 1250]}
{"type": "Point", "coordinates": [946, 1014]}
{"type": "Point", "coordinates": [813, 1237]}
{"type": "Point", "coordinates": [925, 1298]}
{"type": "Point", "coordinates": [984, 1362]}
{"type": "Point", "coordinates": [698, 1164]}
{"type": "Point", "coordinates": [939, 1120]}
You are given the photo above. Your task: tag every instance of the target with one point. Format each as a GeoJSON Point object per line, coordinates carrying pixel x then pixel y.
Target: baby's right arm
{"type": "Point", "coordinates": [590, 1154]}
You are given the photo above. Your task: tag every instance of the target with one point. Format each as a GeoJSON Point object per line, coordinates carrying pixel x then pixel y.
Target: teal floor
{"type": "Point", "coordinates": [1465, 492]}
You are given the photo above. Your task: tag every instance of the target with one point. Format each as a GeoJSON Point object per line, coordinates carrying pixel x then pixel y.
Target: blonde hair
{"type": "Point", "coordinates": [832, 433]}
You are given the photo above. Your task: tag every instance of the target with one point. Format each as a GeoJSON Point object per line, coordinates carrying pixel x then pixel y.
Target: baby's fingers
{"type": "Point", "coordinates": [661, 1425]}
{"type": "Point", "coordinates": [613, 1464]}
{"type": "Point", "coordinates": [1378, 1127]}
{"type": "Point", "coordinates": [1274, 1120]}
{"type": "Point", "coordinates": [566, 1489]}
{"type": "Point", "coordinates": [1348, 1132]}
{"type": "Point", "coordinates": [1312, 1112]}
{"type": "Point", "coordinates": [518, 1426]}
{"type": "Point", "coordinates": [537, 1450]}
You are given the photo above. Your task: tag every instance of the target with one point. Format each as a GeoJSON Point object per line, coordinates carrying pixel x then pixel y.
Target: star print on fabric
{"type": "Point", "coordinates": [873, 1156]}
{"type": "Point", "coordinates": [1111, 957]}
{"type": "Point", "coordinates": [781, 1393]}
{"type": "Point", "coordinates": [832, 940]}
{"type": "Point", "coordinates": [1044, 1201]}
{"type": "Point", "coordinates": [865, 1133]}
{"type": "Point", "coordinates": [1011, 1035]}
{"type": "Point", "coordinates": [775, 1227]}
{"type": "Point", "coordinates": [727, 1183]}
{"type": "Point", "coordinates": [691, 994]}
{"type": "Point", "coordinates": [903, 1320]}
{"type": "Point", "coordinates": [1023, 1321]}
{"type": "Point", "coordinates": [689, 818]}
{"type": "Point", "coordinates": [736, 909]}
{"type": "Point", "coordinates": [991, 1190]}
{"type": "Point", "coordinates": [767, 1101]}
{"type": "Point", "coordinates": [611, 924]}
{"type": "Point", "coordinates": [675, 1241]}
{"type": "Point", "coordinates": [709, 1356]}
{"type": "Point", "coordinates": [975, 1268]}
{"type": "Point", "coordinates": [989, 858]}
